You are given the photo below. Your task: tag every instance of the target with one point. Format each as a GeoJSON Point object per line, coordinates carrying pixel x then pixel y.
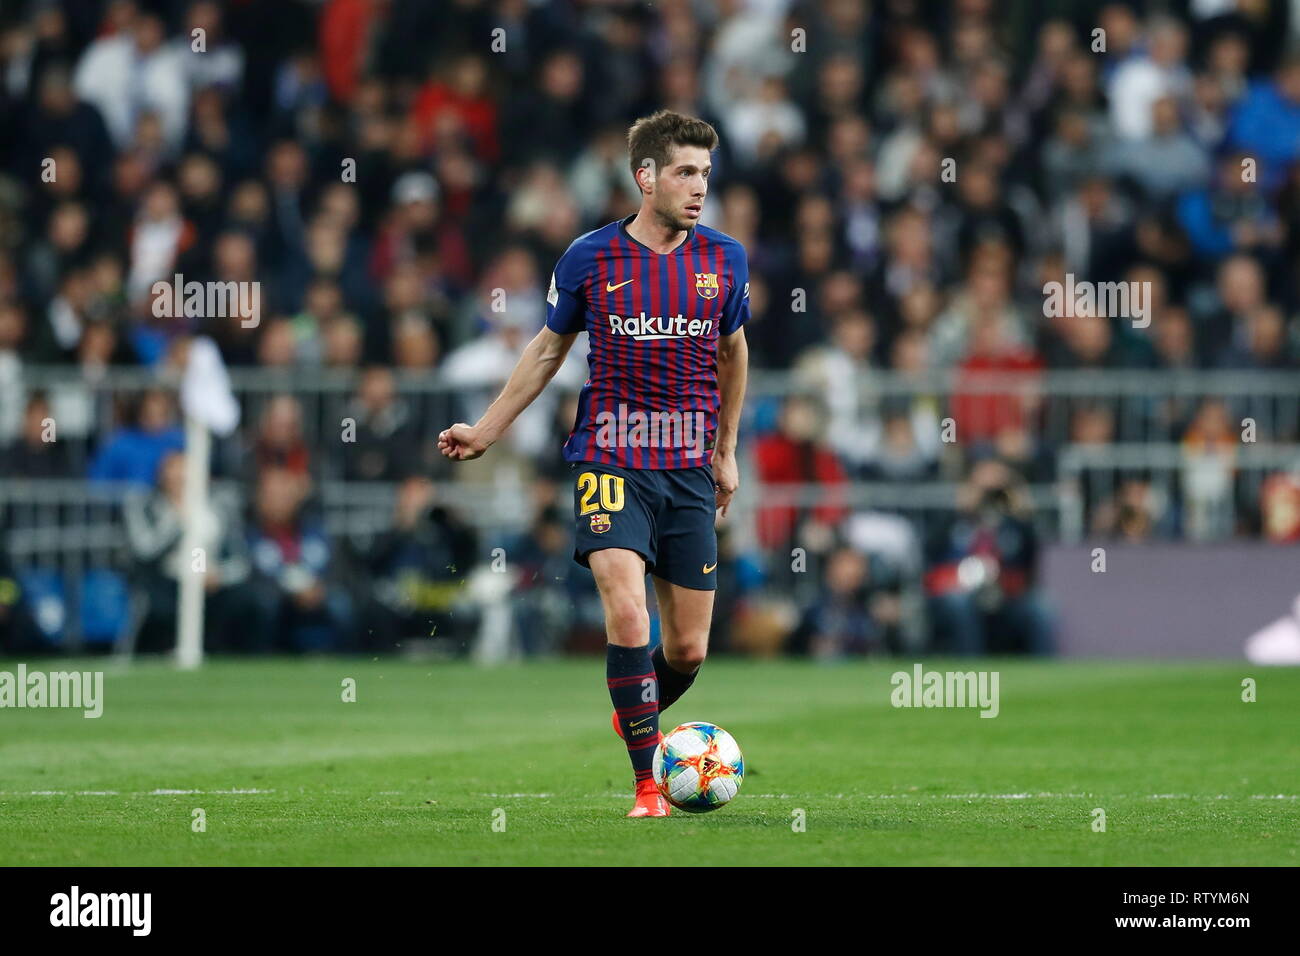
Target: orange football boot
{"type": "Point", "coordinates": [649, 801]}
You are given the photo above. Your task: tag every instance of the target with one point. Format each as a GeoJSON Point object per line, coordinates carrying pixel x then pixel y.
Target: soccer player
{"type": "Point", "coordinates": [663, 301]}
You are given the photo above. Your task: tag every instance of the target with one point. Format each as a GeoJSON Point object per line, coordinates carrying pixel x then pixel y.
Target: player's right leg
{"type": "Point", "coordinates": [613, 535]}
{"type": "Point", "coordinates": [629, 673]}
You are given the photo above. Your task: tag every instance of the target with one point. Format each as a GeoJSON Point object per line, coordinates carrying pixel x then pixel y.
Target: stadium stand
{"type": "Point", "coordinates": [390, 175]}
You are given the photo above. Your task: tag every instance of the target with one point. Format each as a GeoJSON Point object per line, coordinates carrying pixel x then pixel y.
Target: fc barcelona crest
{"type": "Point", "coordinates": [600, 523]}
{"type": "Point", "coordinates": [706, 284]}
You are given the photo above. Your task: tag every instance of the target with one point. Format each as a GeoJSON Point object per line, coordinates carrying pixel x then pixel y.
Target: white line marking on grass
{"type": "Point", "coordinates": [162, 792]}
{"type": "Point", "coordinates": [1036, 796]}
{"type": "Point", "coordinates": [519, 796]}
{"type": "Point", "coordinates": [118, 793]}
{"type": "Point", "coordinates": [168, 793]}
{"type": "Point", "coordinates": [1006, 796]}
{"type": "Point", "coordinates": [947, 796]}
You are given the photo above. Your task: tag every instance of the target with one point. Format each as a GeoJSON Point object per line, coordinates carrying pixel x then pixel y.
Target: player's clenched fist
{"type": "Point", "coordinates": [462, 442]}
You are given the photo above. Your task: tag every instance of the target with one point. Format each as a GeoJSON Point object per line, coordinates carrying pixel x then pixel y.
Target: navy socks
{"type": "Point", "coordinates": [672, 683]}
{"type": "Point", "coordinates": [634, 690]}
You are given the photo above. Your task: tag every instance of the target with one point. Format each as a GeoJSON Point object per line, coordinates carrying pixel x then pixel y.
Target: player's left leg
{"type": "Point", "coordinates": [685, 579]}
{"type": "Point", "coordinates": [685, 615]}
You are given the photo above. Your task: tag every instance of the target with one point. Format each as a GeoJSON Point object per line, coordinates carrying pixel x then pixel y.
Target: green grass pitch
{"type": "Point", "coordinates": [431, 755]}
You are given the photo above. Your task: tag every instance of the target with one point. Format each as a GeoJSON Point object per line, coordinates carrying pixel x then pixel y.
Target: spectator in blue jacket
{"type": "Point", "coordinates": [1266, 123]}
{"type": "Point", "coordinates": [133, 452]}
{"type": "Point", "coordinates": [1232, 214]}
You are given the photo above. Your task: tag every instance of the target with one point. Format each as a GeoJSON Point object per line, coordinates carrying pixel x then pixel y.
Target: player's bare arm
{"type": "Point", "coordinates": [536, 367]}
{"type": "Point", "coordinates": [733, 370]}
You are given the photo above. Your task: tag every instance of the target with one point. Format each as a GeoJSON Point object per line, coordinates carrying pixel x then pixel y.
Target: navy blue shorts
{"type": "Point", "coordinates": [664, 515]}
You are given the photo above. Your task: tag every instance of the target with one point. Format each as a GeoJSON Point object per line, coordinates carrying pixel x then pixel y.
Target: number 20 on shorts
{"type": "Point", "coordinates": [610, 488]}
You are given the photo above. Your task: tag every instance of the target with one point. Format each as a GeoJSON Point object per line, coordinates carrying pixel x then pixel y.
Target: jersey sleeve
{"type": "Point", "coordinates": [566, 313]}
{"type": "Point", "coordinates": [735, 311]}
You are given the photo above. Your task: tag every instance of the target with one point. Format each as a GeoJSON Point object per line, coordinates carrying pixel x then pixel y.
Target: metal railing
{"type": "Point", "coordinates": [1208, 488]}
{"type": "Point", "coordinates": [1146, 405]}
{"type": "Point", "coordinates": [70, 526]}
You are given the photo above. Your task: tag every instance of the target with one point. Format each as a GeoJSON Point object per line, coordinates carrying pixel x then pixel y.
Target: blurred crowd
{"type": "Point", "coordinates": [905, 175]}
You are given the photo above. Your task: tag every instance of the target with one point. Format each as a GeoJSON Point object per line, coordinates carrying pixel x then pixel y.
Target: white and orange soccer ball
{"type": "Point", "coordinates": [698, 767]}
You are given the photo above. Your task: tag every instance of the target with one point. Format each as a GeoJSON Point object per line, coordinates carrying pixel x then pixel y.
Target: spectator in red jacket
{"type": "Point", "coordinates": [798, 453]}
{"type": "Point", "coordinates": [346, 35]}
{"type": "Point", "coordinates": [455, 103]}
{"type": "Point", "coordinates": [982, 415]}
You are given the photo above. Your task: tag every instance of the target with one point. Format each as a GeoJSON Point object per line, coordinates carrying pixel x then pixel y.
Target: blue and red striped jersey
{"type": "Point", "coordinates": [653, 319]}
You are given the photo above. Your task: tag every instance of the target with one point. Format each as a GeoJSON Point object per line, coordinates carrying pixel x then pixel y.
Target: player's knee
{"type": "Point", "coordinates": [688, 657]}
{"type": "Point", "coordinates": [627, 622]}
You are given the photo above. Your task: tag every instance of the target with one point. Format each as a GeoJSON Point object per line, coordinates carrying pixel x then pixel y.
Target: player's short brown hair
{"type": "Point", "coordinates": [655, 136]}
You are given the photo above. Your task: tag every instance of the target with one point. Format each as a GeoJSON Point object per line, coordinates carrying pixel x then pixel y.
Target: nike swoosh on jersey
{"type": "Point", "coordinates": [611, 288]}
